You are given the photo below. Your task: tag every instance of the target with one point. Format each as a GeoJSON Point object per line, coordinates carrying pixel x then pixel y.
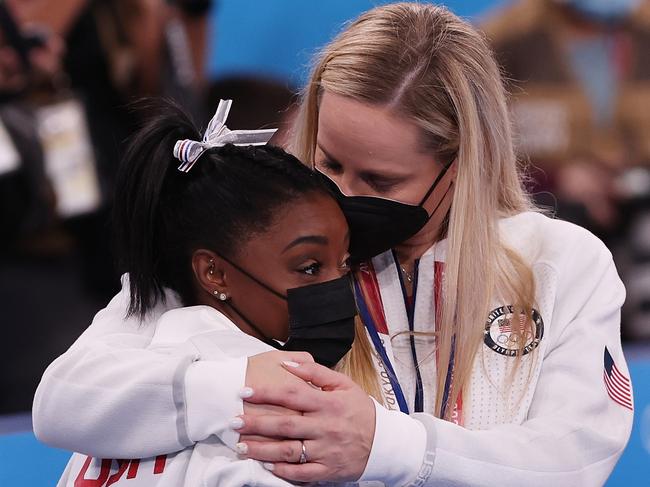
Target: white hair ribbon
{"type": "Point", "coordinates": [217, 135]}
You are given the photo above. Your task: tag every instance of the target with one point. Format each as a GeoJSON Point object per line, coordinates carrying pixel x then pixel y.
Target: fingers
{"type": "Point", "coordinates": [307, 472]}
{"type": "Point", "coordinates": [257, 438]}
{"type": "Point", "coordinates": [296, 427]}
{"type": "Point", "coordinates": [262, 409]}
{"type": "Point", "coordinates": [275, 451]}
{"type": "Point", "coordinates": [318, 375]}
{"type": "Point", "coordinates": [296, 395]}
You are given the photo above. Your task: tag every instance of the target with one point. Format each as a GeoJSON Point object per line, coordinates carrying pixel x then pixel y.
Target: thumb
{"type": "Point", "coordinates": [318, 375]}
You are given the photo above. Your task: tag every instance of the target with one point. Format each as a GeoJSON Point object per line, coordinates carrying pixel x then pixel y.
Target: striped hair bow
{"type": "Point", "coordinates": [217, 135]}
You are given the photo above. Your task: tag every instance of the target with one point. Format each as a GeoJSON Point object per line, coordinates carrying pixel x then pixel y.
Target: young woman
{"type": "Point", "coordinates": [495, 328]}
{"type": "Point", "coordinates": [254, 250]}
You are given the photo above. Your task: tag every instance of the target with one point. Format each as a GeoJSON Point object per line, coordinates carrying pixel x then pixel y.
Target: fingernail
{"type": "Point", "coordinates": [289, 363]}
{"type": "Point", "coordinates": [241, 448]}
{"type": "Point", "coordinates": [268, 466]}
{"type": "Point", "coordinates": [246, 392]}
{"type": "Point", "coordinates": [236, 423]}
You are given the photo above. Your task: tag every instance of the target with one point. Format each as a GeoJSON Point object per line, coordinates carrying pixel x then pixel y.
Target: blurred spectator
{"type": "Point", "coordinates": [580, 84]}
{"type": "Point", "coordinates": [27, 199]}
{"type": "Point", "coordinates": [63, 117]}
{"type": "Point", "coordinates": [115, 50]}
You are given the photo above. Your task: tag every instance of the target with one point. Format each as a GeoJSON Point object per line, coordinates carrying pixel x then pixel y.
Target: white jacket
{"type": "Point", "coordinates": [560, 427]}
{"type": "Point", "coordinates": [193, 332]}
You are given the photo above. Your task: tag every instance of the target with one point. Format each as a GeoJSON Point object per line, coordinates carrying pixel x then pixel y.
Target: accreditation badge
{"type": "Point", "coordinates": [69, 159]}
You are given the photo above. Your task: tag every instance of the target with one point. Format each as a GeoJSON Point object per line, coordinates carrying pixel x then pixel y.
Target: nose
{"type": "Point", "coordinates": [334, 274]}
{"type": "Point", "coordinates": [342, 272]}
{"type": "Point", "coordinates": [347, 184]}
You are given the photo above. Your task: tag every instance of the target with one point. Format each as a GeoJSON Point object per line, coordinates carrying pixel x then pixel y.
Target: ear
{"type": "Point", "coordinates": [453, 170]}
{"type": "Point", "coordinates": [209, 272]}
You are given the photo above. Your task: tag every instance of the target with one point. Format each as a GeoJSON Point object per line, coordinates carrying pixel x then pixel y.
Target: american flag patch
{"type": "Point", "coordinates": [618, 386]}
{"type": "Point", "coordinates": [505, 324]}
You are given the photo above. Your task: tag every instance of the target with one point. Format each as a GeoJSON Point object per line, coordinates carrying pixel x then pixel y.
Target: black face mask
{"type": "Point", "coordinates": [321, 318]}
{"type": "Point", "coordinates": [379, 224]}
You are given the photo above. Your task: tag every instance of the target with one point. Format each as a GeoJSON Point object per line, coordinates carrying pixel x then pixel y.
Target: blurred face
{"type": "Point", "coordinates": [306, 244]}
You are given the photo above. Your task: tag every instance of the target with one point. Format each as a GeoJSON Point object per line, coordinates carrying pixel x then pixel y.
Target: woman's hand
{"type": "Point", "coordinates": [337, 426]}
{"type": "Point", "coordinates": [266, 370]}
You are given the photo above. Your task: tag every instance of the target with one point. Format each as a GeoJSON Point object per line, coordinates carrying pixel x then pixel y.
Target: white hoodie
{"type": "Point", "coordinates": [203, 333]}
{"type": "Point", "coordinates": [111, 397]}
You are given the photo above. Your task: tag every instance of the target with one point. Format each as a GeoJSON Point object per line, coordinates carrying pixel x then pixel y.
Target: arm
{"type": "Point", "coordinates": [91, 398]}
{"type": "Point", "coordinates": [110, 397]}
{"type": "Point", "coordinates": [573, 435]}
{"type": "Point", "coordinates": [575, 432]}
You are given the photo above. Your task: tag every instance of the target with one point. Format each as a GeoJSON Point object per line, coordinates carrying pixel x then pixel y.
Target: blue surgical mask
{"type": "Point", "coordinates": [607, 11]}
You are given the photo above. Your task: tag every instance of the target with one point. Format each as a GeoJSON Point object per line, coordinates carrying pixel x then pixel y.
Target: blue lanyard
{"type": "Point", "coordinates": [381, 350]}
{"type": "Point", "coordinates": [371, 326]}
{"type": "Point", "coordinates": [410, 314]}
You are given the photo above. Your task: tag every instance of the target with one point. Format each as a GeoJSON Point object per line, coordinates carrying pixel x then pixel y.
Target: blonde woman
{"type": "Point", "coordinates": [495, 329]}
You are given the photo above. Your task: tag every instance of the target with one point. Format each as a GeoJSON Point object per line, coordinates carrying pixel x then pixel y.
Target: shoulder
{"type": "Point", "coordinates": [181, 324]}
{"type": "Point", "coordinates": [205, 331]}
{"type": "Point", "coordinates": [581, 266]}
{"type": "Point", "coordinates": [542, 239]}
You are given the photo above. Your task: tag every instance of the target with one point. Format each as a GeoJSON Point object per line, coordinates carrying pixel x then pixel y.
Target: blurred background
{"type": "Point", "coordinates": [578, 72]}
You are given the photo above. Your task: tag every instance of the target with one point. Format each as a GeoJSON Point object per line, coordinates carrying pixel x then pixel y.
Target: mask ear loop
{"type": "Point", "coordinates": [254, 279]}
{"type": "Point", "coordinates": [451, 185]}
{"type": "Point", "coordinates": [265, 338]}
{"type": "Point", "coordinates": [249, 322]}
{"type": "Point", "coordinates": [436, 182]}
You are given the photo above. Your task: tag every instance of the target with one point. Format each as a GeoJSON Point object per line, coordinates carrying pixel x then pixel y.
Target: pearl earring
{"type": "Point", "coordinates": [221, 296]}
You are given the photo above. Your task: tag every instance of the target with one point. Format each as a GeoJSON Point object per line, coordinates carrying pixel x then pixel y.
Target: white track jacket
{"type": "Point", "coordinates": [564, 421]}
{"type": "Point", "coordinates": [193, 333]}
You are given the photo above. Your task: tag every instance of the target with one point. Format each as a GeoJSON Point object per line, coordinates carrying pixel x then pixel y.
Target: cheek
{"type": "Point", "coordinates": [273, 316]}
{"type": "Point", "coordinates": [267, 311]}
{"type": "Point", "coordinates": [413, 190]}
{"type": "Point", "coordinates": [409, 192]}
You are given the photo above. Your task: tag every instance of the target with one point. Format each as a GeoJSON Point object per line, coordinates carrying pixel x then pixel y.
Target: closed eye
{"type": "Point", "coordinates": [331, 167]}
{"type": "Point", "coordinates": [379, 183]}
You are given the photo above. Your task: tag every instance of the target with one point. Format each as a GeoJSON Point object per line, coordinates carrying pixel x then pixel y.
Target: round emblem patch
{"type": "Point", "coordinates": [501, 336]}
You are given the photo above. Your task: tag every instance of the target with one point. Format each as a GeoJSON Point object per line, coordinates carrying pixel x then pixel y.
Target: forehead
{"type": "Point", "coordinates": [317, 214]}
{"type": "Point", "coordinates": [358, 132]}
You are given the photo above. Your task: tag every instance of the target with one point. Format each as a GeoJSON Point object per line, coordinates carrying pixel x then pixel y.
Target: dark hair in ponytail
{"type": "Point", "coordinates": [162, 215]}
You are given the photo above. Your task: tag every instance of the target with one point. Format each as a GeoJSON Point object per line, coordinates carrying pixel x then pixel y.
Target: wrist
{"type": "Point", "coordinates": [396, 435]}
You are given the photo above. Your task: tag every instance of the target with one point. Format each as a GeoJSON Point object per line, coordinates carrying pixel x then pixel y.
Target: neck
{"type": "Point", "coordinates": [416, 246]}
{"type": "Point", "coordinates": [239, 321]}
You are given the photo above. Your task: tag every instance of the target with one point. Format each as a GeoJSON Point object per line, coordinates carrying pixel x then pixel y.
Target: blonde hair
{"type": "Point", "coordinates": [358, 363]}
{"type": "Point", "coordinates": [428, 65]}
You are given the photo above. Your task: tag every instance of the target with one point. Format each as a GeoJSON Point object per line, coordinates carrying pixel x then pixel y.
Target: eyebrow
{"type": "Point", "coordinates": [314, 239]}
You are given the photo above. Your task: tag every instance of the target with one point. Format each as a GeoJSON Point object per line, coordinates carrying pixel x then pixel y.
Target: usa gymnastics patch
{"type": "Point", "coordinates": [505, 329]}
